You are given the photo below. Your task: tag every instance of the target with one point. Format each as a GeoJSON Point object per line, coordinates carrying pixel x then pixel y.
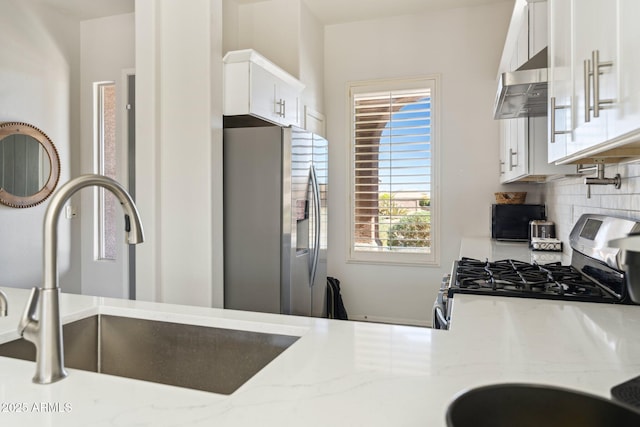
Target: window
{"type": "Point", "coordinates": [105, 164]}
{"type": "Point", "coordinates": [393, 144]}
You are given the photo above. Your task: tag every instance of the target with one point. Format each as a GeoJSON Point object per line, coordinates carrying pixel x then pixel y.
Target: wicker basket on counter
{"type": "Point", "coordinates": [511, 198]}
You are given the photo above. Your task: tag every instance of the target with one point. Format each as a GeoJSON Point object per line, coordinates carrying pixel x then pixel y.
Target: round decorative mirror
{"type": "Point", "coordinates": [29, 165]}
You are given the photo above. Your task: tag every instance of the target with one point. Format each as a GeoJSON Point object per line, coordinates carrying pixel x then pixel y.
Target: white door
{"type": "Point", "coordinates": [105, 256]}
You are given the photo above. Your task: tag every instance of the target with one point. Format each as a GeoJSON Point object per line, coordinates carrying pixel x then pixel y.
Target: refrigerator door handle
{"type": "Point", "coordinates": [316, 208]}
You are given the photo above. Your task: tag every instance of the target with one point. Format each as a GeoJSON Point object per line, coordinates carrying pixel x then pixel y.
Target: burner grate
{"type": "Point", "coordinates": [518, 277]}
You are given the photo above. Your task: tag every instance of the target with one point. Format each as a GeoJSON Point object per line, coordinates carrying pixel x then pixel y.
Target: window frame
{"type": "Point", "coordinates": [105, 242]}
{"type": "Point", "coordinates": [431, 259]}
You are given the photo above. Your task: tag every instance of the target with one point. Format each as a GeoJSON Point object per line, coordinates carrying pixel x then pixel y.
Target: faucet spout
{"type": "Point", "coordinates": [45, 330]}
{"type": "Point", "coordinates": [4, 304]}
{"type": "Point", "coordinates": [600, 179]}
{"type": "Point", "coordinates": [135, 233]}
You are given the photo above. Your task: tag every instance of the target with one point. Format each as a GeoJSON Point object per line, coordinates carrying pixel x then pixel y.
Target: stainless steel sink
{"type": "Point", "coordinates": [528, 405]}
{"type": "Point", "coordinates": [197, 357]}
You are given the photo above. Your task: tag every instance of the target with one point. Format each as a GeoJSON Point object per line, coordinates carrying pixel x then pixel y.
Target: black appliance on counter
{"type": "Point", "coordinates": [596, 273]}
{"type": "Point", "coordinates": [511, 222]}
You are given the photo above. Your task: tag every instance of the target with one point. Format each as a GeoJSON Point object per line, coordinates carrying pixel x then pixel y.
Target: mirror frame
{"type": "Point", "coordinates": [8, 199]}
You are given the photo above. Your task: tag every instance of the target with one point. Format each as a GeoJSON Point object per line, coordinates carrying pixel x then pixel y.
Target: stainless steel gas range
{"type": "Point", "coordinates": [596, 273]}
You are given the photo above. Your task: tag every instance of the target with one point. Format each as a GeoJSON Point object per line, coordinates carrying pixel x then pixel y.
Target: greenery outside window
{"type": "Point", "coordinates": [394, 200]}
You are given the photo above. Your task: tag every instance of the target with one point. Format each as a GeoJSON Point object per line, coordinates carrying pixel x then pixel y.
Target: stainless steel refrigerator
{"type": "Point", "coordinates": [275, 220]}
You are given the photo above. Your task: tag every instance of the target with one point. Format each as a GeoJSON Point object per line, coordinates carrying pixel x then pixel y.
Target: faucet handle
{"type": "Point", "coordinates": [29, 314]}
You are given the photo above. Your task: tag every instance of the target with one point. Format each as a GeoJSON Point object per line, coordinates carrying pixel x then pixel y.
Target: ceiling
{"type": "Point", "coordinates": [341, 11]}
{"type": "Point", "coordinates": [328, 11]}
{"type": "Point", "coordinates": [91, 9]}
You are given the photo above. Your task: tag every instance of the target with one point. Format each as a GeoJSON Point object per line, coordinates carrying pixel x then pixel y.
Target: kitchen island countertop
{"type": "Point", "coordinates": [339, 372]}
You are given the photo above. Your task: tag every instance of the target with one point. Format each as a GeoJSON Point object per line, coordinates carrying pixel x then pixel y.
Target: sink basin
{"type": "Point", "coordinates": [197, 357]}
{"type": "Point", "coordinates": [528, 405]}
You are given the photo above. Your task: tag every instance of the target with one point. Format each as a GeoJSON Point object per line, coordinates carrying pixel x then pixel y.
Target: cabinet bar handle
{"type": "Point", "coordinates": [552, 119]}
{"type": "Point", "coordinates": [281, 103]}
{"type": "Point", "coordinates": [511, 154]}
{"type": "Point", "coordinates": [597, 65]}
{"type": "Point", "coordinates": [595, 57]}
{"type": "Point", "coordinates": [587, 90]}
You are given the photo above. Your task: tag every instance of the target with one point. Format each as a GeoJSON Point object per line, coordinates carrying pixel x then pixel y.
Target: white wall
{"type": "Point", "coordinates": [38, 65]}
{"type": "Point", "coordinates": [285, 32]}
{"type": "Point", "coordinates": [273, 29]}
{"type": "Point", "coordinates": [311, 59]}
{"type": "Point", "coordinates": [463, 46]}
{"type": "Point", "coordinates": [107, 48]}
{"type": "Point", "coordinates": [179, 150]}
{"type": "Point", "coordinates": [231, 25]}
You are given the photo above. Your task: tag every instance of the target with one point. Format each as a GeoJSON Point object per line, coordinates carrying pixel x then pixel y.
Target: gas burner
{"type": "Point", "coordinates": [524, 277]}
{"type": "Point", "coordinates": [594, 276]}
{"type": "Point", "coordinates": [471, 263]}
{"type": "Point", "coordinates": [561, 273]}
{"type": "Point", "coordinates": [517, 278]}
{"type": "Point", "coordinates": [581, 287]}
{"type": "Point", "coordinates": [473, 283]}
{"type": "Point", "coordinates": [513, 264]}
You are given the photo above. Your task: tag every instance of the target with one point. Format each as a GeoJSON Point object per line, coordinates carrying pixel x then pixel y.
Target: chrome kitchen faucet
{"type": "Point", "coordinates": [45, 331]}
{"type": "Point", "coordinates": [4, 304]}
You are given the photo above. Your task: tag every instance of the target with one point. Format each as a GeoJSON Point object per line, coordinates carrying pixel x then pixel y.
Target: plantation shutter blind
{"type": "Point", "coordinates": [392, 171]}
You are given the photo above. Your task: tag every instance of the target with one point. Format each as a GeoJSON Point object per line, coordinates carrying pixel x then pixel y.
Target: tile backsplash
{"type": "Point", "coordinates": [566, 198]}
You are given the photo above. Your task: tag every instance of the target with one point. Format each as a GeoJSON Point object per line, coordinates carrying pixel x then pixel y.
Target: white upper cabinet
{"type": "Point", "coordinates": [521, 52]}
{"type": "Point", "coordinates": [560, 87]}
{"type": "Point", "coordinates": [524, 151]}
{"type": "Point", "coordinates": [253, 85]}
{"type": "Point", "coordinates": [627, 114]}
{"type": "Point", "coordinates": [538, 27]}
{"type": "Point", "coordinates": [261, 96]}
{"type": "Point", "coordinates": [594, 90]}
{"type": "Point", "coordinates": [594, 77]}
{"type": "Point", "coordinates": [514, 145]}
{"type": "Point", "coordinates": [523, 141]}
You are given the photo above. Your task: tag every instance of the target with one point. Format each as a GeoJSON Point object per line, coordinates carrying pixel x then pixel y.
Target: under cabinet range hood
{"type": "Point", "coordinates": [523, 92]}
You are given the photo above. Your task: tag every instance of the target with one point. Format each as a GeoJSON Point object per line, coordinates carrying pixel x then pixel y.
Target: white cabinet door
{"type": "Point", "coordinates": [538, 27]}
{"type": "Point", "coordinates": [274, 99]}
{"type": "Point", "coordinates": [262, 93]}
{"type": "Point", "coordinates": [519, 154]}
{"type": "Point", "coordinates": [254, 85]}
{"type": "Point", "coordinates": [595, 84]}
{"type": "Point", "coordinates": [604, 93]}
{"type": "Point", "coordinates": [505, 135]}
{"type": "Point", "coordinates": [515, 149]}
{"type": "Point", "coordinates": [627, 108]}
{"type": "Point", "coordinates": [288, 104]}
{"type": "Point", "coordinates": [522, 46]}
{"type": "Point", "coordinates": [560, 87]}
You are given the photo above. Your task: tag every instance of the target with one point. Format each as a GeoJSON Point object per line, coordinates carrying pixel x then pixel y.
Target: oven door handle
{"type": "Point", "coordinates": [440, 319]}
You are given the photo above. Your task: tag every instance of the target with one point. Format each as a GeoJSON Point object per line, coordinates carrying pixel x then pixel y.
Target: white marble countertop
{"type": "Point", "coordinates": [340, 372]}
{"type": "Point", "coordinates": [483, 248]}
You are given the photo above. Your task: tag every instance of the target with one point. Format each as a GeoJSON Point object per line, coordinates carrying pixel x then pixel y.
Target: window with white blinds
{"type": "Point", "coordinates": [393, 200]}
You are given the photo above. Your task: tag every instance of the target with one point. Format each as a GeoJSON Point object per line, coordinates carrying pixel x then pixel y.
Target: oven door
{"type": "Point", "coordinates": [440, 317]}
